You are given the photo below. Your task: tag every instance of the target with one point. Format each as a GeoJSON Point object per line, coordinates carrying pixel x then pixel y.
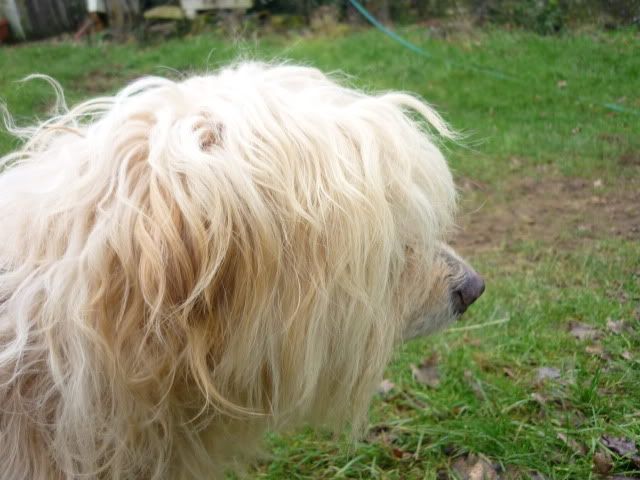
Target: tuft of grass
{"type": "Point", "coordinates": [548, 121]}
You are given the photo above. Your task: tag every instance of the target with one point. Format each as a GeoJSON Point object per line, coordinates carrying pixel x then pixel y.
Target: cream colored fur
{"type": "Point", "coordinates": [188, 264]}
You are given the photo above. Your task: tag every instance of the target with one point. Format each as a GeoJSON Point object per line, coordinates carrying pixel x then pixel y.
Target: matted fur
{"type": "Point", "coordinates": [187, 264]}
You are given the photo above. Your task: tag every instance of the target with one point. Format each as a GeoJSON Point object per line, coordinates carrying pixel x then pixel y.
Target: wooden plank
{"type": "Point", "coordinates": [191, 7]}
{"type": "Point", "coordinates": [216, 4]}
{"type": "Point", "coordinates": [43, 18]}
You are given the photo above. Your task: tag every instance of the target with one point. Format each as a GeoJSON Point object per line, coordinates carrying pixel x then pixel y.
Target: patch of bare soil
{"type": "Point", "coordinates": [101, 80]}
{"type": "Point", "coordinates": [562, 212]}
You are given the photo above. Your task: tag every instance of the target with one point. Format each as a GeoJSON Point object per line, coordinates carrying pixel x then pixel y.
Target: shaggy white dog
{"type": "Point", "coordinates": [186, 265]}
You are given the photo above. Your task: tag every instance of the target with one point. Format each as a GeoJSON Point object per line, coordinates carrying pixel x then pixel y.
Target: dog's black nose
{"type": "Point", "coordinates": [468, 291]}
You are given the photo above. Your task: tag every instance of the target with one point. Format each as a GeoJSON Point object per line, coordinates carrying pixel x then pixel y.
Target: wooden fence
{"type": "Point", "coordinates": [42, 18]}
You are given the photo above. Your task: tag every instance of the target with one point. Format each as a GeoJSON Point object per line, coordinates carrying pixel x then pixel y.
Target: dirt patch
{"type": "Point", "coordinates": [562, 212]}
{"type": "Point", "coordinates": [100, 80]}
{"type": "Point", "coordinates": [630, 158]}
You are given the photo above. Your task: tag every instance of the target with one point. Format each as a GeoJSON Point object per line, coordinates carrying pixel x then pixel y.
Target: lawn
{"type": "Point", "coordinates": [541, 379]}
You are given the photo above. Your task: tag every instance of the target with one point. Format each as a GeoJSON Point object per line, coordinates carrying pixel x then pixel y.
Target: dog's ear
{"type": "Point", "coordinates": [191, 249]}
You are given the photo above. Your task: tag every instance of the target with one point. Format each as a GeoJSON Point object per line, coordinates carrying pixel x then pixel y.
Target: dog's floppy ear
{"type": "Point", "coordinates": [180, 233]}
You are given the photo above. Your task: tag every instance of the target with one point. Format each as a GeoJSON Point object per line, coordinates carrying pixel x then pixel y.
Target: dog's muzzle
{"type": "Point", "coordinates": [468, 291]}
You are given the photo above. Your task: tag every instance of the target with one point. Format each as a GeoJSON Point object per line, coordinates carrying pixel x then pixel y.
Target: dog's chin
{"type": "Point", "coordinates": [428, 324]}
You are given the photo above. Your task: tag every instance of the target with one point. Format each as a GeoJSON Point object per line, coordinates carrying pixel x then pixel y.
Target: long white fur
{"type": "Point", "coordinates": [187, 264]}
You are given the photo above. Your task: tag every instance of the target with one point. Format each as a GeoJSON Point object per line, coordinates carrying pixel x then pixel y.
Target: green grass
{"type": "Point", "coordinates": [486, 411]}
{"type": "Point", "coordinates": [489, 401]}
{"type": "Point", "coordinates": [531, 118]}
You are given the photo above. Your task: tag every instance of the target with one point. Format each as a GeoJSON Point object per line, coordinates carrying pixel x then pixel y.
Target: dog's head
{"type": "Point", "coordinates": [252, 241]}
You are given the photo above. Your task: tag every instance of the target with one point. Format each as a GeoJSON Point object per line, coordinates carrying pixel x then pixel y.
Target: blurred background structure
{"type": "Point", "coordinates": [35, 19]}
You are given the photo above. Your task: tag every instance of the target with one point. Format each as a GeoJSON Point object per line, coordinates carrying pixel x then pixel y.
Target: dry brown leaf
{"type": "Point", "coordinates": [381, 434]}
{"type": "Point", "coordinates": [427, 372]}
{"type": "Point", "coordinates": [541, 399]}
{"type": "Point", "coordinates": [561, 83]}
{"type": "Point", "coordinates": [508, 372]}
{"type": "Point", "coordinates": [582, 331]}
{"type": "Point", "coordinates": [470, 340]}
{"type": "Point", "coordinates": [620, 445]}
{"type": "Point", "coordinates": [626, 355]}
{"type": "Point", "coordinates": [602, 463]}
{"type": "Point", "coordinates": [576, 447]}
{"type": "Point", "coordinates": [484, 361]}
{"type": "Point", "coordinates": [474, 467]}
{"type": "Point", "coordinates": [595, 349]}
{"type": "Point", "coordinates": [385, 386]}
{"type": "Point", "coordinates": [598, 350]}
{"type": "Point", "coordinates": [400, 454]}
{"type": "Point", "coordinates": [547, 373]}
{"type": "Point", "coordinates": [616, 327]}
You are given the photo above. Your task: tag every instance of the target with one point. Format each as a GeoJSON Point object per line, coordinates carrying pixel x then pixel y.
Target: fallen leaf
{"type": "Point", "coordinates": [381, 434]}
{"type": "Point", "coordinates": [508, 372]}
{"type": "Point", "coordinates": [598, 351]}
{"type": "Point", "coordinates": [576, 447]}
{"type": "Point", "coordinates": [626, 355]}
{"type": "Point", "coordinates": [484, 361]}
{"type": "Point", "coordinates": [582, 331]}
{"type": "Point", "coordinates": [541, 399]}
{"type": "Point", "coordinates": [400, 454]}
{"type": "Point", "coordinates": [616, 327]}
{"type": "Point", "coordinates": [427, 372]}
{"type": "Point", "coordinates": [595, 349]}
{"type": "Point", "coordinates": [474, 467]}
{"type": "Point", "coordinates": [598, 183]}
{"type": "Point", "coordinates": [602, 463]}
{"type": "Point", "coordinates": [385, 387]}
{"type": "Point", "coordinates": [547, 373]}
{"type": "Point", "coordinates": [469, 340]}
{"type": "Point", "coordinates": [562, 83]}
{"type": "Point", "coordinates": [621, 445]}
{"type": "Point", "coordinates": [459, 410]}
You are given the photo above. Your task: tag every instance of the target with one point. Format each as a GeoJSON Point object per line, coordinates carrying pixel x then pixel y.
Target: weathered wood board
{"type": "Point", "coordinates": [42, 18]}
